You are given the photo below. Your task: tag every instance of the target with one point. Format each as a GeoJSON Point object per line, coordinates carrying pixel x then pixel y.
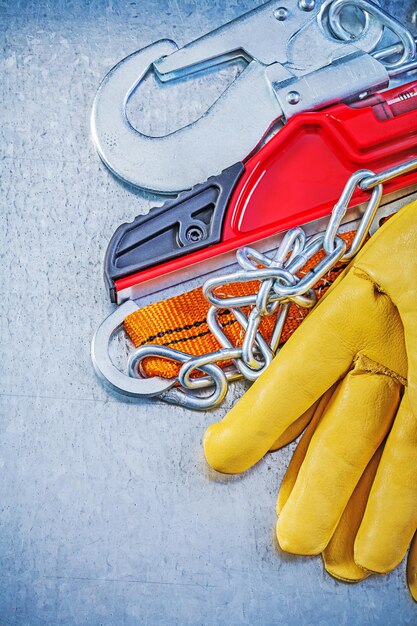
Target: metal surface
{"type": "Point", "coordinates": [370, 182]}
{"type": "Point", "coordinates": [339, 213]}
{"type": "Point", "coordinates": [403, 34]}
{"type": "Point", "coordinates": [278, 285]}
{"type": "Point", "coordinates": [239, 207]}
{"type": "Point", "coordinates": [108, 514]}
{"type": "Point", "coordinates": [290, 56]}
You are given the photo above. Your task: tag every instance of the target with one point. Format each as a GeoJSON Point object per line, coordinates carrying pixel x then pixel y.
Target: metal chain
{"type": "Point", "coordinates": [279, 287]}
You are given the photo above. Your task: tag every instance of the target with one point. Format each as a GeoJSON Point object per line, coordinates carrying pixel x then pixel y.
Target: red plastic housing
{"type": "Point", "coordinates": [298, 176]}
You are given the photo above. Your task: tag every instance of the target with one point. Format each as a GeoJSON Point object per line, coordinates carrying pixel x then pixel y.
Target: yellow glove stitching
{"type": "Point", "coordinates": [363, 363]}
{"type": "Point", "coordinates": [360, 273]}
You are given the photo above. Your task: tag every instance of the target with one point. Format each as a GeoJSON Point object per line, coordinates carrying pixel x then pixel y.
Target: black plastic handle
{"type": "Point", "coordinates": [190, 222]}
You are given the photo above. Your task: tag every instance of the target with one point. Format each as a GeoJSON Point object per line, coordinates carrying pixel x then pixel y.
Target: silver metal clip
{"type": "Point", "coordinates": [280, 284]}
{"type": "Point", "coordinates": [105, 368]}
{"type": "Point", "coordinates": [295, 62]}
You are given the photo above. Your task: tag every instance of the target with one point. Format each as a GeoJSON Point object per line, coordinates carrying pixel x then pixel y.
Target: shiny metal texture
{"type": "Point", "coordinates": [216, 378]}
{"type": "Point", "coordinates": [369, 182]}
{"type": "Point", "coordinates": [371, 9]}
{"type": "Point", "coordinates": [279, 285]}
{"type": "Point", "coordinates": [397, 68]}
{"type": "Point", "coordinates": [109, 515]}
{"type": "Point", "coordinates": [339, 212]}
{"type": "Point", "coordinates": [104, 367]}
{"type": "Point", "coordinates": [294, 62]}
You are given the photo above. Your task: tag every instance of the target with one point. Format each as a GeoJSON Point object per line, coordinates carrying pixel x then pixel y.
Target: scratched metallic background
{"type": "Point", "coordinates": [108, 515]}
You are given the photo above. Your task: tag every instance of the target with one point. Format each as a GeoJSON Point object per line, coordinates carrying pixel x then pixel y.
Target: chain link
{"type": "Point", "coordinates": [279, 287]}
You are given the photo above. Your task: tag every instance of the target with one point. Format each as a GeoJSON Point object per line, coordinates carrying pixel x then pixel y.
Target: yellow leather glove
{"type": "Point", "coordinates": [339, 554]}
{"type": "Point", "coordinates": [412, 568]}
{"type": "Point", "coordinates": [362, 339]}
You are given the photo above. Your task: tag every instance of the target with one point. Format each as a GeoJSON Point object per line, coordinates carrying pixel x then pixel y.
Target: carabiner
{"type": "Point", "coordinates": [108, 372]}
{"type": "Point", "coordinates": [286, 52]}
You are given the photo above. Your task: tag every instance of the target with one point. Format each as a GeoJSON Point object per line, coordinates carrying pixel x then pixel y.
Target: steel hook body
{"type": "Point", "coordinates": [105, 368]}
{"type": "Point", "coordinates": [294, 55]}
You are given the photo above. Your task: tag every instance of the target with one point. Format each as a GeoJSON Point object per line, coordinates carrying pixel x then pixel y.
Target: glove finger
{"type": "Point", "coordinates": [412, 568]}
{"type": "Point", "coordinates": [319, 353]}
{"type": "Point", "coordinates": [410, 332]}
{"type": "Point", "coordinates": [295, 379]}
{"type": "Point", "coordinates": [396, 239]}
{"type": "Point", "coordinates": [390, 518]}
{"type": "Point", "coordinates": [295, 429]}
{"type": "Point", "coordinates": [350, 431]}
{"type": "Point", "coordinates": [338, 556]}
{"type": "Point", "coordinates": [297, 458]}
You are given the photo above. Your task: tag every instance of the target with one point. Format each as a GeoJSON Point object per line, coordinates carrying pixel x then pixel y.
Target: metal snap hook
{"type": "Point", "coordinates": [235, 124]}
{"type": "Point", "coordinates": [106, 370]}
{"type": "Point", "coordinates": [367, 39]}
{"type": "Point", "coordinates": [171, 163]}
{"type": "Point", "coordinates": [369, 8]}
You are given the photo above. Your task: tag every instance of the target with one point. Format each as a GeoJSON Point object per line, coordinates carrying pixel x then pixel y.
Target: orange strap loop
{"type": "Point", "coordinates": [180, 322]}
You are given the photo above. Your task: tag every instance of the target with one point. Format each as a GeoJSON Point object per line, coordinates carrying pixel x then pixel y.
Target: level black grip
{"type": "Point", "coordinates": [190, 222]}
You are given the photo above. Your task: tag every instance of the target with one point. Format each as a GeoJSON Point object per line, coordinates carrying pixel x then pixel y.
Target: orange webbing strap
{"type": "Point", "coordinates": [180, 322]}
